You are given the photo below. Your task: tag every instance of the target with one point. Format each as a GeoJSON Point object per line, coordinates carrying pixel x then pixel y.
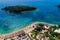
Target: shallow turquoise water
{"type": "Point", "coordinates": [46, 12]}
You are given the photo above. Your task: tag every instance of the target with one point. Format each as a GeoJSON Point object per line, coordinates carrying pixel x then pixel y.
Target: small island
{"type": "Point", "coordinates": [58, 5]}
{"type": "Point", "coordinates": [17, 9]}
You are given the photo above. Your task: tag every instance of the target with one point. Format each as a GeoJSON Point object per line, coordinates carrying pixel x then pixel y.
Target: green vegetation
{"type": "Point", "coordinates": [17, 9]}
{"type": "Point", "coordinates": [52, 29]}
{"type": "Point", "coordinates": [50, 33]}
{"type": "Point", "coordinates": [58, 26]}
{"type": "Point", "coordinates": [38, 29]}
{"type": "Point", "coordinates": [58, 38]}
{"type": "Point", "coordinates": [53, 34]}
{"type": "Point", "coordinates": [40, 25]}
{"type": "Point", "coordinates": [51, 37]}
{"type": "Point", "coordinates": [12, 39]}
{"type": "Point", "coordinates": [34, 32]}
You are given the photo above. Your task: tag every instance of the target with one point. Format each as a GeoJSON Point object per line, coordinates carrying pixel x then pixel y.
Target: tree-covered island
{"type": "Point", "coordinates": [58, 5]}
{"type": "Point", "coordinates": [17, 9]}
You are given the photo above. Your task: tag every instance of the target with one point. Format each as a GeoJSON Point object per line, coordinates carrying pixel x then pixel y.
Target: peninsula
{"type": "Point", "coordinates": [17, 9]}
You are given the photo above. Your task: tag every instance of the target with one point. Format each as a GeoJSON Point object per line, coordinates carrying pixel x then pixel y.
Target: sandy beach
{"type": "Point", "coordinates": [26, 29]}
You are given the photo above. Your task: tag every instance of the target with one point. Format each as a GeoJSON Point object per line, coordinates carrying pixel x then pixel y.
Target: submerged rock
{"type": "Point", "coordinates": [17, 9]}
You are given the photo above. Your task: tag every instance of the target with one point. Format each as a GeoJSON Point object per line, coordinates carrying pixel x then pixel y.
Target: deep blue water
{"type": "Point", "coordinates": [46, 12]}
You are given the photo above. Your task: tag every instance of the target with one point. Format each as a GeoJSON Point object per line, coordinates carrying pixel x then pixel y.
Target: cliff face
{"type": "Point", "coordinates": [18, 9]}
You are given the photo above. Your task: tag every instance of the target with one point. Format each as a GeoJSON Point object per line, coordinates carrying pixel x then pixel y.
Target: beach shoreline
{"type": "Point", "coordinates": [26, 29]}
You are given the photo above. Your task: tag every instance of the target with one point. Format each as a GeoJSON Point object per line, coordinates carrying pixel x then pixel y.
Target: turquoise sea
{"type": "Point", "coordinates": [46, 12]}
